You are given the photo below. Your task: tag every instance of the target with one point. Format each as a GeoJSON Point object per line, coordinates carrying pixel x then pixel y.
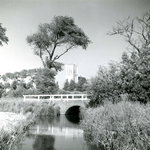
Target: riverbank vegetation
{"type": "Point", "coordinates": [13, 127]}
{"type": "Point", "coordinates": [16, 118]}
{"type": "Point", "coordinates": [118, 117]}
{"type": "Point", "coordinates": [33, 108]}
{"type": "Point", "coordinates": [37, 81]}
{"type": "Point", "coordinates": [121, 126]}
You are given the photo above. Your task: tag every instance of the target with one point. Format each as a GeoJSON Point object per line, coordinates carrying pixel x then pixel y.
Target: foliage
{"type": "Point", "coordinates": [3, 37]}
{"type": "Point", "coordinates": [35, 108]}
{"type": "Point", "coordinates": [105, 85]}
{"type": "Point", "coordinates": [72, 85]}
{"type": "Point", "coordinates": [1, 89]}
{"type": "Point", "coordinates": [131, 75]}
{"type": "Point", "coordinates": [45, 81]}
{"type": "Point", "coordinates": [135, 75]}
{"type": "Point", "coordinates": [11, 139]}
{"type": "Point", "coordinates": [32, 81]}
{"type": "Point", "coordinates": [62, 91]}
{"type": "Point", "coordinates": [12, 130]}
{"type": "Point", "coordinates": [66, 85]}
{"type": "Point", "coordinates": [61, 32]}
{"type": "Point", "coordinates": [81, 85]}
{"type": "Point", "coordinates": [118, 126]}
{"type": "Point", "coordinates": [135, 65]}
{"type": "Point", "coordinates": [14, 85]}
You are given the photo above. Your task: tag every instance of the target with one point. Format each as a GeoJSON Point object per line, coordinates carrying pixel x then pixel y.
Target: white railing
{"type": "Point", "coordinates": [64, 97]}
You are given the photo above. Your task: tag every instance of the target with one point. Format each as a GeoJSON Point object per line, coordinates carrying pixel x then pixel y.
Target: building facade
{"type": "Point", "coordinates": [71, 72]}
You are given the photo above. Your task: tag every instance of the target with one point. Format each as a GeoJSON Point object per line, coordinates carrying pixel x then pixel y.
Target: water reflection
{"type": "Point", "coordinates": [44, 142]}
{"type": "Point", "coordinates": [73, 118]}
{"type": "Point", "coordinates": [58, 126]}
{"type": "Point", "coordinates": [57, 133]}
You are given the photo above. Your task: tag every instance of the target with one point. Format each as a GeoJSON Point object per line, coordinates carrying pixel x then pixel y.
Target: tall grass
{"type": "Point", "coordinates": [122, 126]}
{"type": "Point", "coordinates": [12, 130]}
{"type": "Point", "coordinates": [34, 108]}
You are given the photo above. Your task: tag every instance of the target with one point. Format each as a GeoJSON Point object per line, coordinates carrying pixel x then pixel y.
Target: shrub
{"type": "Point", "coordinates": [105, 85]}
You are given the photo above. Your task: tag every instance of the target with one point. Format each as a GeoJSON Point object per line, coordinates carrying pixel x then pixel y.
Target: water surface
{"type": "Point", "coordinates": [59, 133]}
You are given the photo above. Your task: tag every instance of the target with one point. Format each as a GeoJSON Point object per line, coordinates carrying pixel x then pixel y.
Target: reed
{"type": "Point", "coordinates": [122, 126]}
{"type": "Point", "coordinates": [12, 129]}
{"type": "Point", "coordinates": [34, 108]}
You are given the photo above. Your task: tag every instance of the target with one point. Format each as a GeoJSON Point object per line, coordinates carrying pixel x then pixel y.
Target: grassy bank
{"type": "Point", "coordinates": [34, 108]}
{"type": "Point", "coordinates": [16, 117]}
{"type": "Point", "coordinates": [122, 126]}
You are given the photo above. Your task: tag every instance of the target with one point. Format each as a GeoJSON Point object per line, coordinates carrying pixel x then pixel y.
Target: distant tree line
{"type": "Point", "coordinates": [37, 81]}
{"type": "Point", "coordinates": [33, 81]}
{"type": "Point", "coordinates": [80, 86]}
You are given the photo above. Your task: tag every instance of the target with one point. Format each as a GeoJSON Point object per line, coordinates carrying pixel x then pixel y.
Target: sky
{"type": "Point", "coordinates": [96, 17]}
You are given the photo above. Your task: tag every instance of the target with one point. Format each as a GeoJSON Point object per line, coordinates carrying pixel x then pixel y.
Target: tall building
{"type": "Point", "coordinates": [71, 72]}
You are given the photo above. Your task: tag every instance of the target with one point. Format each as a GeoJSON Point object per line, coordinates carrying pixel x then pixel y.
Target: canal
{"type": "Point", "coordinates": [58, 133]}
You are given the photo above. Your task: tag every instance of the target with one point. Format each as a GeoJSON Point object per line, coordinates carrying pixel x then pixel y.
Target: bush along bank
{"type": "Point", "coordinates": [10, 138]}
{"type": "Point", "coordinates": [122, 126]}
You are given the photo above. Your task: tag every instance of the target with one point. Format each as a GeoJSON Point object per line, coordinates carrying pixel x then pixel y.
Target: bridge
{"type": "Point", "coordinates": [66, 102]}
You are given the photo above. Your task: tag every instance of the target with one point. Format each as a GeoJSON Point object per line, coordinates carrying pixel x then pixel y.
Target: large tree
{"type": "Point", "coordinates": [3, 37]}
{"type": "Point", "coordinates": [135, 31]}
{"type": "Point", "coordinates": [135, 71]}
{"type": "Point", "coordinates": [61, 32]}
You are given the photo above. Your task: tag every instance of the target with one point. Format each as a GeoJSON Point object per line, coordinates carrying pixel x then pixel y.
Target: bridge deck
{"type": "Point", "coordinates": [64, 97]}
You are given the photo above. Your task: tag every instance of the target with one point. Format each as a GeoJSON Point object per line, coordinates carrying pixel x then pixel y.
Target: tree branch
{"type": "Point", "coordinates": [52, 53]}
{"type": "Point", "coordinates": [132, 44]}
{"type": "Point", "coordinates": [58, 56]}
{"type": "Point", "coordinates": [42, 59]}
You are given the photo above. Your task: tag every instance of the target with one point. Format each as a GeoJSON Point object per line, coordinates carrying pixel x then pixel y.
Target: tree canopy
{"type": "Point", "coordinates": [32, 81]}
{"type": "Point", "coordinates": [135, 65]}
{"type": "Point", "coordinates": [45, 81]}
{"type": "Point", "coordinates": [3, 37]}
{"type": "Point", "coordinates": [61, 32]}
{"type": "Point", "coordinates": [130, 78]}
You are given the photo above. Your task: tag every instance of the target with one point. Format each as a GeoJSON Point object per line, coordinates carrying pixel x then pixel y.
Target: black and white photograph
{"type": "Point", "coordinates": [74, 74]}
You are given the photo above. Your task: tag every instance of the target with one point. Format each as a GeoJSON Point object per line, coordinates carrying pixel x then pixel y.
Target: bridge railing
{"type": "Point", "coordinates": [64, 97]}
